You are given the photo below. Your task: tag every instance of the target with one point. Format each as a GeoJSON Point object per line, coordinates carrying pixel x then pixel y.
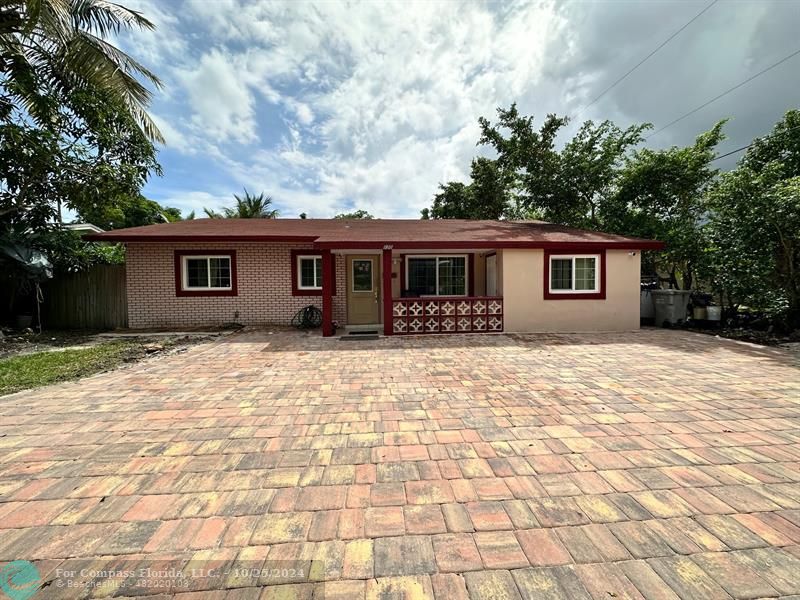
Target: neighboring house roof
{"type": "Point", "coordinates": [83, 228]}
{"type": "Point", "coordinates": [376, 233]}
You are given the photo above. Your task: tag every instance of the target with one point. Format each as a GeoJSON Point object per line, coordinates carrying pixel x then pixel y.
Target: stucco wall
{"type": "Point", "coordinates": [264, 282]}
{"type": "Point", "coordinates": [526, 310]}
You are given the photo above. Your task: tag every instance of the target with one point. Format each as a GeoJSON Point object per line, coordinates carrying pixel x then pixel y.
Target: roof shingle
{"type": "Point", "coordinates": [339, 233]}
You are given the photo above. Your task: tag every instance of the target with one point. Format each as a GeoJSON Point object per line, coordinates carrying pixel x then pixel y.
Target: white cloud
{"type": "Point", "coordinates": [221, 101]}
{"type": "Point", "coordinates": [332, 104]}
{"type": "Point", "coordinates": [380, 100]}
{"type": "Point", "coordinates": [193, 200]}
{"type": "Point", "coordinates": [174, 138]}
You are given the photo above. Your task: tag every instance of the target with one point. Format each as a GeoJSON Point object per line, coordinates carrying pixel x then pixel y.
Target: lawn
{"type": "Point", "coordinates": [43, 368]}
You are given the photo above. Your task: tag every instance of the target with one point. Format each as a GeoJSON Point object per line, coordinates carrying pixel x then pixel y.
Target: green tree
{"type": "Point", "coordinates": [778, 150]}
{"type": "Point", "coordinates": [248, 206]}
{"type": "Point", "coordinates": [660, 194]}
{"type": "Point", "coordinates": [452, 202]}
{"type": "Point", "coordinates": [130, 211]}
{"type": "Point", "coordinates": [356, 214]}
{"type": "Point", "coordinates": [570, 186]}
{"type": "Point", "coordinates": [527, 158]}
{"type": "Point", "coordinates": [94, 164]}
{"type": "Point", "coordinates": [753, 228]}
{"type": "Point", "coordinates": [485, 197]}
{"type": "Point", "coordinates": [54, 48]}
{"type": "Point", "coordinates": [588, 168]}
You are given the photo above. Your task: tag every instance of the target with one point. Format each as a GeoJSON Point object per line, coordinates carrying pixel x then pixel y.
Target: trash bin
{"type": "Point", "coordinates": [647, 311]}
{"type": "Point", "coordinates": [671, 306]}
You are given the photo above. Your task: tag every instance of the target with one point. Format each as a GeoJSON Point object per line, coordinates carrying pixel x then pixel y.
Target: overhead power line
{"type": "Point", "coordinates": [753, 142]}
{"type": "Point", "coordinates": [725, 93]}
{"type": "Point", "coordinates": [645, 59]}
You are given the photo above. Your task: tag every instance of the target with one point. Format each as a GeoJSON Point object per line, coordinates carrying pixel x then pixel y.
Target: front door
{"type": "Point", "coordinates": [363, 290]}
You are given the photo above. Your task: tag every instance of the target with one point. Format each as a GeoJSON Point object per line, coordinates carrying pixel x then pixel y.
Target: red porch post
{"type": "Point", "coordinates": [328, 273]}
{"type": "Point", "coordinates": [387, 290]}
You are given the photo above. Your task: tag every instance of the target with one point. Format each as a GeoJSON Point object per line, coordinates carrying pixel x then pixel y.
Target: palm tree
{"type": "Point", "coordinates": [59, 46]}
{"type": "Point", "coordinates": [248, 206]}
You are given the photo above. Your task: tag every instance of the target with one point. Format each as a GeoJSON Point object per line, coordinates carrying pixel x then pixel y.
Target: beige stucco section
{"type": "Point", "coordinates": [526, 310]}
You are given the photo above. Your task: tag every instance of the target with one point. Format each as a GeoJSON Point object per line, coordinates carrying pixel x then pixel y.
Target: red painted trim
{"type": "Point", "coordinates": [471, 271]}
{"type": "Point", "coordinates": [386, 276]}
{"type": "Point", "coordinates": [402, 273]}
{"type": "Point", "coordinates": [296, 291]}
{"type": "Point", "coordinates": [180, 292]}
{"type": "Point", "coordinates": [562, 246]}
{"type": "Point", "coordinates": [327, 296]}
{"type": "Point", "coordinates": [601, 295]}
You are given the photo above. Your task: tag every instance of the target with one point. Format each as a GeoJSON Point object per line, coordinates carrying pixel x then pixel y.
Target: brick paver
{"type": "Point", "coordinates": [652, 464]}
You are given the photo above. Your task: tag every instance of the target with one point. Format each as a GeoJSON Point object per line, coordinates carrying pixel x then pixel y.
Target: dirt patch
{"type": "Point", "coordinates": [753, 336]}
{"type": "Point", "coordinates": [21, 343]}
{"type": "Point", "coordinates": [16, 343]}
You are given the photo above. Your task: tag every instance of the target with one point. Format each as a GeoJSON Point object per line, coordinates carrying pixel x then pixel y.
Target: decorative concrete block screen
{"type": "Point", "coordinates": [447, 315]}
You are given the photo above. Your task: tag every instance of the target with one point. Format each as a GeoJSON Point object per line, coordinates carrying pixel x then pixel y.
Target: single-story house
{"type": "Point", "coordinates": [398, 276]}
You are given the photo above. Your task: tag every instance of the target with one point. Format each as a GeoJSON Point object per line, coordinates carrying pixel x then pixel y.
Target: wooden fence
{"type": "Point", "coordinates": [92, 299]}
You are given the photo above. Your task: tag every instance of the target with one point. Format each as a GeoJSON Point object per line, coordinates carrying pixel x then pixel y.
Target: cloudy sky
{"type": "Point", "coordinates": [334, 106]}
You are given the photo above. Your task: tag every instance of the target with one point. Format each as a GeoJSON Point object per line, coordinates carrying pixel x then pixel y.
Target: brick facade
{"type": "Point", "coordinates": [264, 287]}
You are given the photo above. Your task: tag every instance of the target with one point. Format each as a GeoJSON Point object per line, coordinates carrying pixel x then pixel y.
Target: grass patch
{"type": "Point", "coordinates": [43, 368]}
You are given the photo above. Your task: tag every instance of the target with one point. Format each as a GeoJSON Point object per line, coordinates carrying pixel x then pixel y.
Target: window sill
{"type": "Point", "coordinates": [200, 293]}
{"type": "Point", "coordinates": [307, 292]}
{"type": "Point", "coordinates": [548, 295]}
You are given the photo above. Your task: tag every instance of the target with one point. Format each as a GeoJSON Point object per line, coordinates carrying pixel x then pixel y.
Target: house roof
{"type": "Point", "coordinates": [377, 233]}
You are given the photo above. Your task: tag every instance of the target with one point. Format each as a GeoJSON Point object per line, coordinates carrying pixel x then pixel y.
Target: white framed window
{"type": "Point", "coordinates": [309, 272]}
{"type": "Point", "coordinates": [574, 274]}
{"type": "Point", "coordinates": [437, 275]}
{"type": "Point", "coordinates": [206, 272]}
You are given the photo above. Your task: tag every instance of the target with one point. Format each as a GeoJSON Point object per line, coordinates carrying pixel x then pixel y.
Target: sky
{"type": "Point", "coordinates": [329, 107]}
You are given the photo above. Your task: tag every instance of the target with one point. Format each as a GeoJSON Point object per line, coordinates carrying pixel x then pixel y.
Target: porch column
{"type": "Point", "coordinates": [386, 271]}
{"type": "Point", "coordinates": [328, 273]}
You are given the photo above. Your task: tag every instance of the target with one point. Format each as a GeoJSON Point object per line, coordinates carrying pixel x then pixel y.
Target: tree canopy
{"type": "Point", "coordinates": [753, 225]}
{"type": "Point", "coordinates": [54, 48]}
{"type": "Point", "coordinates": [356, 214]}
{"type": "Point", "coordinates": [737, 232]}
{"type": "Point", "coordinates": [485, 197]}
{"type": "Point", "coordinates": [74, 132]}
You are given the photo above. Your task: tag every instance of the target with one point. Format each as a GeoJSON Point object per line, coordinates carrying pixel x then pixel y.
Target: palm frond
{"type": "Point", "coordinates": [107, 17]}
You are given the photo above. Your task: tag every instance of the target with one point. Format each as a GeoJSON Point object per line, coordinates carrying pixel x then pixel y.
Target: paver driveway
{"type": "Point", "coordinates": [655, 464]}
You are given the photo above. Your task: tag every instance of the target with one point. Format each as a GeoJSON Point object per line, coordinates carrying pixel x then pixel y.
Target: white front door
{"type": "Point", "coordinates": [491, 275]}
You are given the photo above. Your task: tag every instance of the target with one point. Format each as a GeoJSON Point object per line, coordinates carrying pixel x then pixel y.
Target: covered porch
{"type": "Point", "coordinates": [412, 290]}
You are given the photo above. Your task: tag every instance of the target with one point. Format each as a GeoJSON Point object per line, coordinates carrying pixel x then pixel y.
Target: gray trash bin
{"type": "Point", "coordinates": [647, 310]}
{"type": "Point", "coordinates": [671, 306]}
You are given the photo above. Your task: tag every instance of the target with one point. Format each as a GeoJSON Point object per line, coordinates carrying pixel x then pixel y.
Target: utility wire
{"type": "Point", "coordinates": [645, 59]}
{"type": "Point", "coordinates": [725, 93]}
{"type": "Point", "coordinates": [753, 142]}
